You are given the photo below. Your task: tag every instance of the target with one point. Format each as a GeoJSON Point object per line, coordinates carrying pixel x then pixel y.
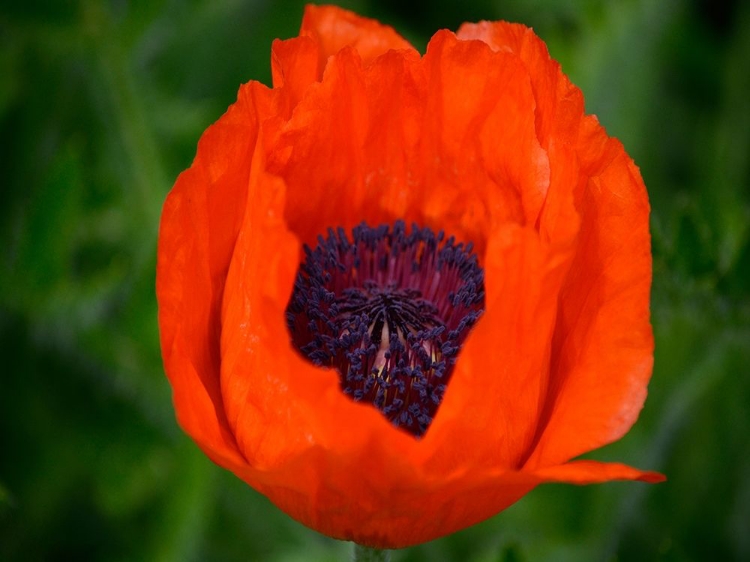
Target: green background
{"type": "Point", "coordinates": [101, 106]}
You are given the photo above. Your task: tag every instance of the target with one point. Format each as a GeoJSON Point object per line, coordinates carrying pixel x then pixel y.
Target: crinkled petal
{"type": "Point", "coordinates": [295, 66]}
{"type": "Point", "coordinates": [446, 141]}
{"type": "Point", "coordinates": [603, 344]}
{"type": "Point", "coordinates": [200, 223]}
{"type": "Point", "coordinates": [603, 347]}
{"type": "Point", "coordinates": [480, 131]}
{"type": "Point", "coordinates": [559, 103]}
{"type": "Point", "coordinates": [334, 29]}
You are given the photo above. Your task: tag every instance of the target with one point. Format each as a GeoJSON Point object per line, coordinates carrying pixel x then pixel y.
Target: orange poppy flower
{"type": "Point", "coordinates": [483, 138]}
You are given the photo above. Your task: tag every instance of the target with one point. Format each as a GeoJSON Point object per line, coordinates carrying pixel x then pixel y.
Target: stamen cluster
{"type": "Point", "coordinates": [389, 310]}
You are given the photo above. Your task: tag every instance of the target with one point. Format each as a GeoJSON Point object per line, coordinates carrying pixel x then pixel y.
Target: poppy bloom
{"type": "Point", "coordinates": [388, 383]}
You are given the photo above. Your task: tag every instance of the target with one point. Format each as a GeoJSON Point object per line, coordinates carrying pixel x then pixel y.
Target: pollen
{"type": "Point", "coordinates": [389, 309]}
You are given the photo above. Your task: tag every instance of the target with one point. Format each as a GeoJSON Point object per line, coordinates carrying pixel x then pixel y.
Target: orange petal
{"type": "Point", "coordinates": [334, 29]}
{"type": "Point", "coordinates": [449, 143]}
{"type": "Point", "coordinates": [480, 132]}
{"type": "Point", "coordinates": [603, 347]}
{"type": "Point", "coordinates": [594, 472]}
{"type": "Point", "coordinates": [200, 223]}
{"type": "Point", "coordinates": [294, 66]}
{"type": "Point", "coordinates": [489, 414]}
{"type": "Point", "coordinates": [600, 372]}
{"type": "Point", "coordinates": [559, 103]}
{"type": "Point", "coordinates": [296, 63]}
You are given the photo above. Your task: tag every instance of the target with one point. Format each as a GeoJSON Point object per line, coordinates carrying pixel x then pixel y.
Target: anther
{"type": "Point", "coordinates": [389, 310]}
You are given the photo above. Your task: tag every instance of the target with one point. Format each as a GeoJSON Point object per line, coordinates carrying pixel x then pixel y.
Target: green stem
{"type": "Point", "coordinates": [366, 554]}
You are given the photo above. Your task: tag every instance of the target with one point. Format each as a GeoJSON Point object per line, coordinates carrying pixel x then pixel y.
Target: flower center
{"type": "Point", "coordinates": [389, 310]}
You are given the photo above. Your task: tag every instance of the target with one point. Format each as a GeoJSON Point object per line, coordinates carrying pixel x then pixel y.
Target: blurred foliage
{"type": "Point", "coordinates": [101, 106]}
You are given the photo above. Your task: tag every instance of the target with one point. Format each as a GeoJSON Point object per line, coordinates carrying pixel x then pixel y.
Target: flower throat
{"type": "Point", "coordinates": [389, 310]}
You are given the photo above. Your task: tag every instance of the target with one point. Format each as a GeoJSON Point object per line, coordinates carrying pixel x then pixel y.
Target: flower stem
{"type": "Point", "coordinates": [366, 554]}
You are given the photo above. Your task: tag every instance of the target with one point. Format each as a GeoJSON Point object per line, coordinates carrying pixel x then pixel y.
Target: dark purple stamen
{"type": "Point", "coordinates": [389, 310]}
